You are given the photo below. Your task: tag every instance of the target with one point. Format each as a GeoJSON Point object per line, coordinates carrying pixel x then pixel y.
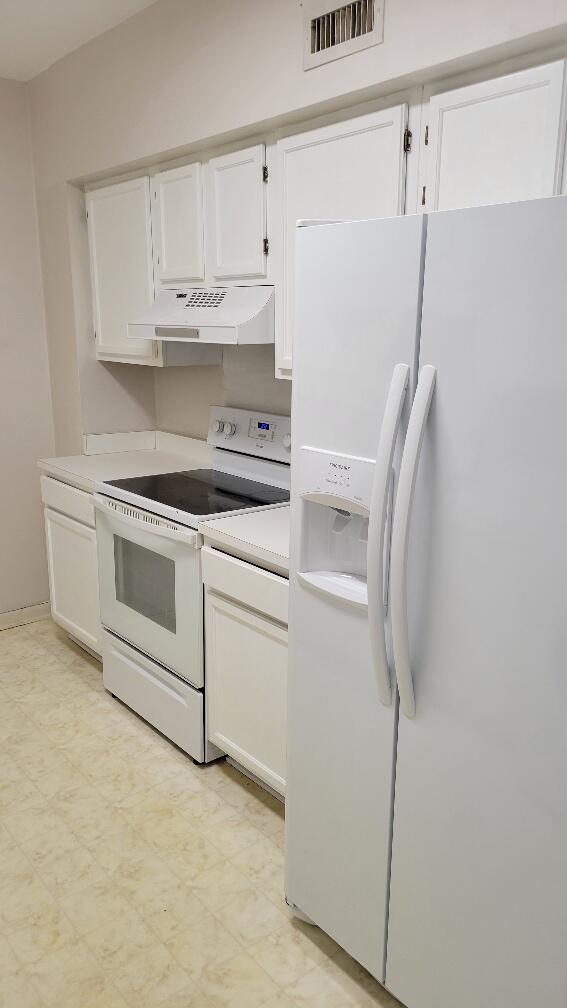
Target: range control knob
{"type": "Point", "coordinates": [286, 441]}
{"type": "Point", "coordinates": [218, 426]}
{"type": "Point", "coordinates": [230, 429]}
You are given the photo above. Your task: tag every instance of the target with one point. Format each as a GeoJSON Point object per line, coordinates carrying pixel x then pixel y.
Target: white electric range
{"type": "Point", "coordinates": [151, 591]}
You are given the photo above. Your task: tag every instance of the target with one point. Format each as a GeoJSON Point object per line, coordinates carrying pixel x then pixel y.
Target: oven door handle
{"type": "Point", "coordinates": [152, 524]}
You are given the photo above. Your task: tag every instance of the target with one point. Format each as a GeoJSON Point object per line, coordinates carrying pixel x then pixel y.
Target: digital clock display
{"type": "Point", "coordinates": [261, 430]}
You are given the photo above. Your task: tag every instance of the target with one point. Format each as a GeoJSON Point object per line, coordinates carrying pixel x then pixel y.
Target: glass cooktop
{"type": "Point", "coordinates": [203, 491]}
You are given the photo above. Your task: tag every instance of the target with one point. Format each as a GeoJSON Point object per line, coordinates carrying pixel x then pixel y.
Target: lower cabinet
{"type": "Point", "coordinates": [246, 665]}
{"type": "Point", "coordinates": [73, 570]}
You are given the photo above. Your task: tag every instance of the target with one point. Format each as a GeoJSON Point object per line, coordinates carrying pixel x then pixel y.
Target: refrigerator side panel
{"type": "Point", "coordinates": [478, 905]}
{"type": "Point", "coordinates": [358, 306]}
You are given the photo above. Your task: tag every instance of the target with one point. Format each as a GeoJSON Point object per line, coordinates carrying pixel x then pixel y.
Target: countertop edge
{"type": "Point", "coordinates": [278, 563]}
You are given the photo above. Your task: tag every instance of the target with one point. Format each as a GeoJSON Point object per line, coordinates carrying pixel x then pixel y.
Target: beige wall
{"type": "Point", "coordinates": [25, 405]}
{"type": "Point", "coordinates": [183, 395]}
{"type": "Point", "coordinates": [185, 71]}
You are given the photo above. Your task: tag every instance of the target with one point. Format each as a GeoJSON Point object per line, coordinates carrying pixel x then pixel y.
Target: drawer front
{"type": "Point", "coordinates": [68, 500]}
{"type": "Point", "coordinates": [170, 705]}
{"type": "Point", "coordinates": [258, 589]}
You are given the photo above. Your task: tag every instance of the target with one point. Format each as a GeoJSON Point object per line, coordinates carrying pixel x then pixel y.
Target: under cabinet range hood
{"type": "Point", "coordinates": [229, 315]}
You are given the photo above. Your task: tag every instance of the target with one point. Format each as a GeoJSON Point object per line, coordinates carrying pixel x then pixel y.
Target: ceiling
{"type": "Point", "coordinates": [36, 33]}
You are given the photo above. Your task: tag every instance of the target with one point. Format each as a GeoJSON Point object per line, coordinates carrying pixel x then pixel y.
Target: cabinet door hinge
{"type": "Point", "coordinates": [423, 196]}
{"type": "Point", "coordinates": [266, 246]}
{"type": "Point", "coordinates": [407, 140]}
{"type": "Point", "coordinates": [94, 333]}
{"type": "Point", "coordinates": [265, 173]}
{"type": "Point", "coordinates": [426, 135]}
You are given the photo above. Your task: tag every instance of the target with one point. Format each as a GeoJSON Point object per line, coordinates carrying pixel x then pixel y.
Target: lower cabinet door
{"type": "Point", "coordinates": [73, 577]}
{"type": "Point", "coordinates": [246, 674]}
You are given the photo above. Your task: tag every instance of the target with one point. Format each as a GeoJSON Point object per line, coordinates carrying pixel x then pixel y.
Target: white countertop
{"type": "Point", "coordinates": [262, 537]}
{"type": "Point", "coordinates": [84, 471]}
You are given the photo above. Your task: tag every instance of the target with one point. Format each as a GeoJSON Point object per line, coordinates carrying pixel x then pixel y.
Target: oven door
{"type": "Point", "coordinates": [150, 586]}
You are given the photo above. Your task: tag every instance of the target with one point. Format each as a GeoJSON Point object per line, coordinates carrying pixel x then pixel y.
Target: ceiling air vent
{"type": "Point", "coordinates": [332, 32]}
{"type": "Point", "coordinates": [205, 298]}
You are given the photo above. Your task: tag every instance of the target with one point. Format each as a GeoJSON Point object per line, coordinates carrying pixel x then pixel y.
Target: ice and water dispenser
{"type": "Point", "coordinates": [335, 493]}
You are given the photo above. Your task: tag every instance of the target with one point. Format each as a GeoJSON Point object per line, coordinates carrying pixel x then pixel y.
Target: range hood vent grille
{"type": "Point", "coordinates": [229, 315]}
{"type": "Point", "coordinates": [206, 298]}
{"type": "Point", "coordinates": [330, 34]}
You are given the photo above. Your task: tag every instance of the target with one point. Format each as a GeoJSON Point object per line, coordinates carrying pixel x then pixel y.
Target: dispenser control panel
{"type": "Point", "coordinates": [347, 476]}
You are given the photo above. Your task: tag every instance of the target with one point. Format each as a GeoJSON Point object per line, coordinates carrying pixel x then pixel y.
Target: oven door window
{"type": "Point", "coordinates": [145, 582]}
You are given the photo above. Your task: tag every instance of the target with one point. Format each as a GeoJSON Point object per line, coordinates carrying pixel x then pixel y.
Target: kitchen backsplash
{"type": "Point", "coordinates": [246, 379]}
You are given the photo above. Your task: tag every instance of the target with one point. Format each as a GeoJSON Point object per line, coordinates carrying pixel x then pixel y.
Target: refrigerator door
{"type": "Point", "coordinates": [478, 904]}
{"type": "Point", "coordinates": [359, 299]}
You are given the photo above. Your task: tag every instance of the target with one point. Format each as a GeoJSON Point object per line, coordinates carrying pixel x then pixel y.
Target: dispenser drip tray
{"type": "Point", "coordinates": [351, 588]}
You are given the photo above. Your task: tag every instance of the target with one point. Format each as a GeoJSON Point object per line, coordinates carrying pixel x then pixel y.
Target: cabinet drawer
{"type": "Point", "coordinates": [258, 589]}
{"type": "Point", "coordinates": [168, 703]}
{"type": "Point", "coordinates": [68, 500]}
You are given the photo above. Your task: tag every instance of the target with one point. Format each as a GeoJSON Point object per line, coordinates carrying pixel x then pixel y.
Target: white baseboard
{"type": "Point", "coordinates": [19, 617]}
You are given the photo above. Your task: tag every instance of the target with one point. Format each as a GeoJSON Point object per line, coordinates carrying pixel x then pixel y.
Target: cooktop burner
{"type": "Point", "coordinates": [203, 491]}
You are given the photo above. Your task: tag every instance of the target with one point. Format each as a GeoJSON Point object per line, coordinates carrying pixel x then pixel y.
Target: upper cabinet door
{"type": "Point", "coordinates": [177, 222]}
{"type": "Point", "coordinates": [236, 224]}
{"type": "Point", "coordinates": [348, 171]}
{"type": "Point", "coordinates": [120, 243]}
{"type": "Point", "coordinates": [497, 141]}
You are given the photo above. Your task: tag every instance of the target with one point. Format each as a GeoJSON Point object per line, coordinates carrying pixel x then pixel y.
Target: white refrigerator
{"type": "Point", "coordinates": [427, 823]}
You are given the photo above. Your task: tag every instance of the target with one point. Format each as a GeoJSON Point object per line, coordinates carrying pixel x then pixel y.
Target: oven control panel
{"type": "Point", "coordinates": [263, 435]}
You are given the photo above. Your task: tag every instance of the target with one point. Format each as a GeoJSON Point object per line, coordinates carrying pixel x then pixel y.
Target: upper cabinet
{"type": "Point", "coordinates": [177, 225]}
{"type": "Point", "coordinates": [236, 214]}
{"type": "Point", "coordinates": [120, 241]}
{"type": "Point", "coordinates": [206, 224]}
{"type": "Point", "coordinates": [350, 170]}
{"type": "Point", "coordinates": [496, 141]}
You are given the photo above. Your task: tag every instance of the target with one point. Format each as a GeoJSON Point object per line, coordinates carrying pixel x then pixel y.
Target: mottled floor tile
{"type": "Point", "coordinates": [238, 983]}
{"type": "Point", "coordinates": [288, 954]}
{"type": "Point", "coordinates": [198, 942]}
{"type": "Point", "coordinates": [130, 878]}
{"type": "Point", "coordinates": [250, 917]}
{"type": "Point", "coordinates": [30, 942]}
{"type": "Point", "coordinates": [220, 884]}
{"type": "Point", "coordinates": [339, 983]}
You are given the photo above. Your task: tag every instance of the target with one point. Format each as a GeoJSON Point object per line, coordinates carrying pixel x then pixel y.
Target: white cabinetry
{"type": "Point", "coordinates": [350, 170]}
{"type": "Point", "coordinates": [496, 141]}
{"type": "Point", "coordinates": [236, 214]}
{"type": "Point", "coordinates": [72, 561]}
{"type": "Point", "coordinates": [120, 242]}
{"type": "Point", "coordinates": [177, 225]}
{"type": "Point", "coordinates": [246, 664]}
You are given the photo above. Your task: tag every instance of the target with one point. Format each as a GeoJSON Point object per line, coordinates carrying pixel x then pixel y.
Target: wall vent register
{"type": "Point", "coordinates": [331, 32]}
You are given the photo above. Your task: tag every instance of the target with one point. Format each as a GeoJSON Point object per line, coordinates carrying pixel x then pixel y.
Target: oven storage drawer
{"type": "Point", "coordinates": [68, 500]}
{"type": "Point", "coordinates": [168, 703]}
{"type": "Point", "coordinates": [258, 589]}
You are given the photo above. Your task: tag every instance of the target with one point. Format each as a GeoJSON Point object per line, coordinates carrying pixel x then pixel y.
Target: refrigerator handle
{"type": "Point", "coordinates": [400, 535]}
{"type": "Point", "coordinates": [377, 524]}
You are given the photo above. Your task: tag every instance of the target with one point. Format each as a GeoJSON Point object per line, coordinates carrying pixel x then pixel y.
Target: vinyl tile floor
{"type": "Point", "coordinates": [128, 875]}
